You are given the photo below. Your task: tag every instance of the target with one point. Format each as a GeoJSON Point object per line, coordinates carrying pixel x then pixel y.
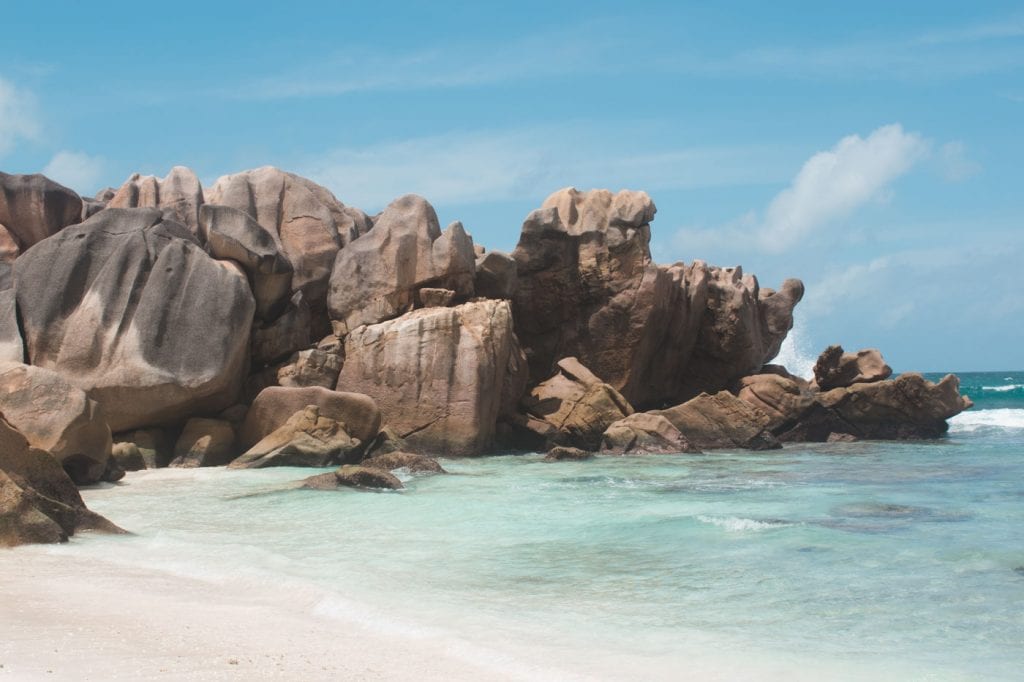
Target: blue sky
{"type": "Point", "coordinates": [874, 149]}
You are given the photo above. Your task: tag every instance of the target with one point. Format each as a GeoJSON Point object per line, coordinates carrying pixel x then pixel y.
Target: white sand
{"type": "Point", "coordinates": [68, 618]}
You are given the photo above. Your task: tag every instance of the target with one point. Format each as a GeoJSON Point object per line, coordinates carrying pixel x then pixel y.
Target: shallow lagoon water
{"type": "Point", "coordinates": [883, 559]}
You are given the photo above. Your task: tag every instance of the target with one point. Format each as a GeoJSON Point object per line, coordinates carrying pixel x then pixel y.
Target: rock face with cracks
{"type": "Point", "coordinates": [644, 434]}
{"type": "Point", "coordinates": [32, 208]}
{"type": "Point", "coordinates": [836, 369]}
{"type": "Point", "coordinates": [306, 439]}
{"type": "Point", "coordinates": [440, 375]}
{"type": "Point", "coordinates": [378, 277]}
{"type": "Point", "coordinates": [121, 306]}
{"type": "Point", "coordinates": [179, 195]}
{"type": "Point", "coordinates": [721, 421]}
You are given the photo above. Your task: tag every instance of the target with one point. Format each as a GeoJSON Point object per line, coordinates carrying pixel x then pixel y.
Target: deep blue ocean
{"type": "Point", "coordinates": [870, 560]}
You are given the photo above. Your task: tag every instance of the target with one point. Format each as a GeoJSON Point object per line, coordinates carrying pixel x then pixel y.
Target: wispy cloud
{"type": "Point", "coordinates": [829, 187]}
{"type": "Point", "coordinates": [18, 116]}
{"type": "Point", "coordinates": [528, 164]}
{"type": "Point", "coordinates": [76, 170]}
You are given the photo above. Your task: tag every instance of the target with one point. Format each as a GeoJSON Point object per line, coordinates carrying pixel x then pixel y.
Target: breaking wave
{"type": "Point", "coordinates": [736, 524]}
{"type": "Point", "coordinates": [1006, 418]}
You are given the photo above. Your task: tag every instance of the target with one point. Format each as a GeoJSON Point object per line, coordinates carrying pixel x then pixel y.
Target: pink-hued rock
{"type": "Point", "coordinates": [721, 421]}
{"type": "Point", "coordinates": [274, 406]}
{"type": "Point", "coordinates": [178, 196]}
{"type": "Point", "coordinates": [836, 369]}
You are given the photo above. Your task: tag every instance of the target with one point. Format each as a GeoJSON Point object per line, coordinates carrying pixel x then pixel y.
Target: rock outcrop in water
{"type": "Point", "coordinates": [262, 315]}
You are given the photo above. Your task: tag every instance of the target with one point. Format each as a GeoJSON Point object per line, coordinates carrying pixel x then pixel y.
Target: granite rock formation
{"type": "Point", "coordinates": [721, 421]}
{"type": "Point", "coordinates": [179, 196]}
{"type": "Point", "coordinates": [274, 406]}
{"type": "Point", "coordinates": [306, 439]}
{"type": "Point", "coordinates": [644, 434]}
{"type": "Point", "coordinates": [204, 443]}
{"type": "Point", "coordinates": [836, 369]}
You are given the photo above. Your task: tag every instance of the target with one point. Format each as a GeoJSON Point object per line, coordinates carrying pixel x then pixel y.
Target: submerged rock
{"type": "Point", "coordinates": [561, 453]}
{"type": "Point", "coordinates": [352, 476]}
{"type": "Point", "coordinates": [414, 463]}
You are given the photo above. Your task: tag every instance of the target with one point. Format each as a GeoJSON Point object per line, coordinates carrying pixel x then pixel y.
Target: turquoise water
{"type": "Point", "coordinates": [865, 560]}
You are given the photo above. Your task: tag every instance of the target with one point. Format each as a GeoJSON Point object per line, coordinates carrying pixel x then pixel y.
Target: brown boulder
{"type": "Point", "coordinates": [274, 406]}
{"type": "Point", "coordinates": [306, 439]}
{"type": "Point", "coordinates": [128, 307]}
{"type": "Point", "coordinates": [781, 398]}
{"type": "Point", "coordinates": [414, 463]}
{"type": "Point", "coordinates": [179, 195]}
{"type": "Point", "coordinates": [561, 453]}
{"type": "Point", "coordinates": [496, 275]}
{"type": "Point", "coordinates": [58, 417]}
{"type": "Point", "coordinates": [155, 446]}
{"type": "Point", "coordinates": [204, 443]}
{"type": "Point", "coordinates": [352, 476]}
{"type": "Point", "coordinates": [310, 367]}
{"type": "Point", "coordinates": [644, 434]}
{"type": "Point", "coordinates": [712, 422]}
{"type": "Point", "coordinates": [836, 369]}
{"type": "Point", "coordinates": [378, 276]}
{"type": "Point", "coordinates": [128, 456]}
{"type": "Point", "coordinates": [576, 405]}
{"type": "Point", "coordinates": [38, 500]}
{"type": "Point", "coordinates": [279, 338]}
{"type": "Point", "coordinates": [439, 374]}
{"type": "Point", "coordinates": [33, 207]}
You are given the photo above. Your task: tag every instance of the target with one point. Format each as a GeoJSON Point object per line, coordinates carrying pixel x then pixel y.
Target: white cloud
{"type": "Point", "coordinates": [954, 163]}
{"type": "Point", "coordinates": [833, 184]}
{"type": "Point", "coordinates": [76, 170]}
{"type": "Point", "coordinates": [18, 119]}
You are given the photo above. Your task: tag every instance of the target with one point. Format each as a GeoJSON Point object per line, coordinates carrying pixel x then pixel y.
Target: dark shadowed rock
{"type": "Point", "coordinates": [644, 434]}
{"type": "Point", "coordinates": [386, 442]}
{"type": "Point", "coordinates": [290, 332]}
{"type": "Point", "coordinates": [231, 234]}
{"type": "Point", "coordinates": [410, 461]}
{"type": "Point", "coordinates": [9, 252]}
{"type": "Point", "coordinates": [306, 439]}
{"type": "Point", "coordinates": [178, 196]}
{"type": "Point", "coordinates": [307, 221]}
{"type": "Point", "coordinates": [353, 476]}
{"type": "Point", "coordinates": [128, 456]}
{"type": "Point", "coordinates": [58, 417]}
{"type": "Point", "coordinates": [496, 275]}
{"type": "Point", "coordinates": [38, 500]}
{"type": "Point", "coordinates": [33, 207]}
{"type": "Point", "coordinates": [274, 406]}
{"type": "Point", "coordinates": [438, 374]}
{"type": "Point", "coordinates": [204, 443]}
{"type": "Point", "coordinates": [12, 346]}
{"type": "Point", "coordinates": [310, 368]}
{"type": "Point", "coordinates": [836, 369]}
{"type": "Point", "coordinates": [121, 305]}
{"type": "Point", "coordinates": [155, 446]}
{"type": "Point", "coordinates": [561, 453]}
{"type": "Point", "coordinates": [378, 277]}
{"type": "Point", "coordinates": [712, 422]}
{"type": "Point", "coordinates": [576, 405]}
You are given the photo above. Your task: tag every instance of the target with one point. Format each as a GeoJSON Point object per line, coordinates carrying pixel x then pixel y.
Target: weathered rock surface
{"type": "Point", "coordinates": [231, 234]}
{"type": "Point", "coordinates": [274, 406]}
{"type": "Point", "coordinates": [306, 439]}
{"type": "Point", "coordinates": [204, 443]}
{"type": "Point", "coordinates": [561, 453]}
{"type": "Point", "coordinates": [9, 252]}
{"type": "Point", "coordinates": [128, 456]}
{"type": "Point", "coordinates": [496, 275]}
{"type": "Point", "coordinates": [781, 398]}
{"type": "Point", "coordinates": [438, 374]}
{"type": "Point", "coordinates": [386, 442]}
{"type": "Point", "coordinates": [155, 446]}
{"type": "Point", "coordinates": [178, 196]}
{"type": "Point", "coordinates": [276, 340]}
{"type": "Point", "coordinates": [38, 500]}
{"type": "Point", "coordinates": [310, 368]}
{"type": "Point", "coordinates": [353, 476]}
{"type": "Point", "coordinates": [307, 221]}
{"type": "Point", "coordinates": [121, 305]}
{"type": "Point", "coordinates": [33, 207]}
{"type": "Point", "coordinates": [412, 462]}
{"type": "Point", "coordinates": [587, 288]}
{"type": "Point", "coordinates": [644, 434]}
{"type": "Point", "coordinates": [712, 422]}
{"type": "Point", "coordinates": [576, 405]}
{"type": "Point", "coordinates": [836, 369]}
{"type": "Point", "coordinates": [378, 276]}
{"type": "Point", "coordinates": [907, 407]}
{"type": "Point", "coordinates": [58, 417]}
{"type": "Point", "coordinates": [12, 346]}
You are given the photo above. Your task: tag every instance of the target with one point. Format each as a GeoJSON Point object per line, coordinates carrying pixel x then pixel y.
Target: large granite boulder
{"type": "Point", "coordinates": [574, 407]}
{"type": "Point", "coordinates": [12, 346]}
{"type": "Point", "coordinates": [204, 443]}
{"type": "Point", "coordinates": [179, 195]}
{"type": "Point", "coordinates": [644, 434]}
{"type": "Point", "coordinates": [440, 375]}
{"type": "Point", "coordinates": [587, 288]}
{"type": "Point", "coordinates": [721, 421]}
{"type": "Point", "coordinates": [56, 416]}
{"type": "Point", "coordinates": [38, 501]}
{"type": "Point", "coordinates": [33, 207]}
{"type": "Point", "coordinates": [378, 277]}
{"type": "Point", "coordinates": [907, 407]}
{"type": "Point", "coordinates": [783, 399]}
{"type": "Point", "coordinates": [836, 369]}
{"type": "Point", "coordinates": [274, 406]}
{"type": "Point", "coordinates": [308, 223]}
{"type": "Point", "coordinates": [306, 439]}
{"type": "Point", "coordinates": [231, 234]}
{"type": "Point", "coordinates": [129, 307]}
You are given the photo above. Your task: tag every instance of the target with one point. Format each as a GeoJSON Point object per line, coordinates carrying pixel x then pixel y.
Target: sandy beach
{"type": "Point", "coordinates": [98, 621]}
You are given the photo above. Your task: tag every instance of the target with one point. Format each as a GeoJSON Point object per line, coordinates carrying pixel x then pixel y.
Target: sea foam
{"type": "Point", "coordinates": [1007, 418]}
{"type": "Point", "coordinates": [738, 525]}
